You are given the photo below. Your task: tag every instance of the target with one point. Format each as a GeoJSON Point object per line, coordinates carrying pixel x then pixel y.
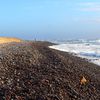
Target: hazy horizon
{"type": "Point", "coordinates": [50, 19]}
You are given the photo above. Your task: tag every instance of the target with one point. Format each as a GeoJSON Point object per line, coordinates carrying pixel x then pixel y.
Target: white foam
{"type": "Point", "coordinates": [84, 50]}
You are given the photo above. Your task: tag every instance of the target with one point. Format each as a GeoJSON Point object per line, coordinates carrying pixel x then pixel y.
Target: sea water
{"type": "Point", "coordinates": [89, 49]}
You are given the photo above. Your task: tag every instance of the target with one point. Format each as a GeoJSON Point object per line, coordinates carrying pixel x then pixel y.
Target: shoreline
{"type": "Point", "coordinates": [94, 60]}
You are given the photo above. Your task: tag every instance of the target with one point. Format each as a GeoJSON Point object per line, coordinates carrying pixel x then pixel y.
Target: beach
{"type": "Point", "coordinates": [33, 71]}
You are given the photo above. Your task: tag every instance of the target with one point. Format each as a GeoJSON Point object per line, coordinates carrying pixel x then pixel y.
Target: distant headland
{"type": "Point", "coordinates": [9, 39]}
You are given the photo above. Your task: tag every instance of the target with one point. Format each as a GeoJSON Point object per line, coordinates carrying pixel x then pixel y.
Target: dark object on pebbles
{"type": "Point", "coordinates": [32, 71]}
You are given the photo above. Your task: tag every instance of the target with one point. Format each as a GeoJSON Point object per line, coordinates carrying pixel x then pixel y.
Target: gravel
{"type": "Point", "coordinates": [32, 71]}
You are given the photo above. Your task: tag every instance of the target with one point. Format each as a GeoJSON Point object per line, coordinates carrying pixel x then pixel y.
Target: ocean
{"type": "Point", "coordinates": [89, 49]}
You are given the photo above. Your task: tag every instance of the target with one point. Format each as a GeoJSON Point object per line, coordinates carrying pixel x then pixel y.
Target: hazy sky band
{"type": "Point", "coordinates": [50, 19]}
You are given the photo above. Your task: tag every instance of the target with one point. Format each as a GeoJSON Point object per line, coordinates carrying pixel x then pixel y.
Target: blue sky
{"type": "Point", "coordinates": [50, 19]}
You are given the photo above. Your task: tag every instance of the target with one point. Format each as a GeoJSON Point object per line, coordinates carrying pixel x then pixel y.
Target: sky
{"type": "Point", "coordinates": [50, 19]}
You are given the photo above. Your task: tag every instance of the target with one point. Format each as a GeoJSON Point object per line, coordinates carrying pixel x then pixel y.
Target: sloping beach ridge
{"type": "Point", "coordinates": [33, 71]}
